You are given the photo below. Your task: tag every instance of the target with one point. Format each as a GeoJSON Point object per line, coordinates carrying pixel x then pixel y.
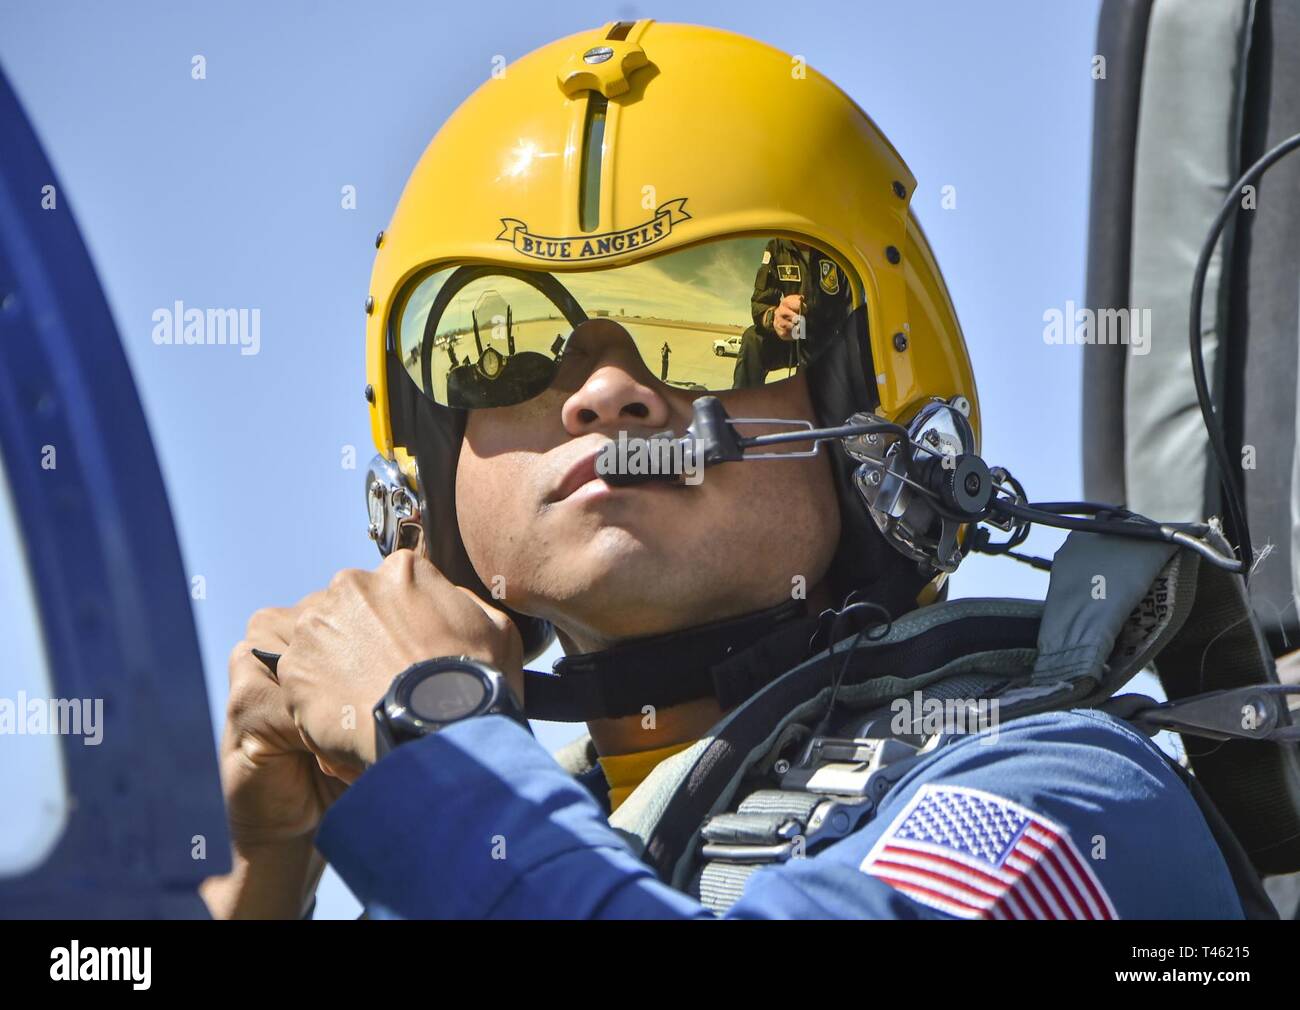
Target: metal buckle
{"type": "Point", "coordinates": [856, 773]}
{"type": "Point", "coordinates": [1254, 712]}
{"type": "Point", "coordinates": [832, 818]}
{"type": "Point", "coordinates": [850, 766]}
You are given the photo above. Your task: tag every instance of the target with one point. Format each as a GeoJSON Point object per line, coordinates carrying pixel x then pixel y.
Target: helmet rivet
{"type": "Point", "coordinates": [379, 240]}
{"type": "Point", "coordinates": [892, 254]}
{"type": "Point", "coordinates": [900, 341]}
{"type": "Point", "coordinates": [900, 190]}
{"type": "Point", "coordinates": [370, 394]}
{"type": "Point", "coordinates": [370, 304]}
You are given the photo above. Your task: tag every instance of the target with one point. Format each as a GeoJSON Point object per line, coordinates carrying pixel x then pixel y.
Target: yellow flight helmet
{"type": "Point", "coordinates": [681, 180]}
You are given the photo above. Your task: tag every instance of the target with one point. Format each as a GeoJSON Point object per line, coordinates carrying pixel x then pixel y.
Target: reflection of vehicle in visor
{"type": "Point", "coordinates": [715, 316]}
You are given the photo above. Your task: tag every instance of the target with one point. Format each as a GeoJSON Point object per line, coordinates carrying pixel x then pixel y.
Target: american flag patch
{"type": "Point", "coordinates": [978, 856]}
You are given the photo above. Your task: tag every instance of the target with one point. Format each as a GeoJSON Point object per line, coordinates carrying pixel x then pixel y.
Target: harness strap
{"type": "Point", "coordinates": [1112, 608]}
{"type": "Point", "coordinates": [836, 785]}
{"type": "Point", "coordinates": [719, 762]}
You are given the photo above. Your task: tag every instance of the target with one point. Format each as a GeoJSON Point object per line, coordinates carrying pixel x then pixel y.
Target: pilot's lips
{"type": "Point", "coordinates": [581, 473]}
{"type": "Point", "coordinates": [583, 476]}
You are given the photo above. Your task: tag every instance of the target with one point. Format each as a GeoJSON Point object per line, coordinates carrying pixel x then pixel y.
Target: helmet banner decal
{"type": "Point", "coordinates": [587, 248]}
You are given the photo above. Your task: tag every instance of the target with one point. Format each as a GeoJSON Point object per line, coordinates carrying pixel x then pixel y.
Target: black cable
{"type": "Point", "coordinates": [1033, 561]}
{"type": "Point", "coordinates": [1236, 507]}
{"type": "Point", "coordinates": [823, 725]}
{"type": "Point", "coordinates": [1140, 530]}
{"type": "Point", "coordinates": [1088, 508]}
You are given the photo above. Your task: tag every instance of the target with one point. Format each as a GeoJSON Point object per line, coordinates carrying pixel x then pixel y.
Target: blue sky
{"type": "Point", "coordinates": [226, 191]}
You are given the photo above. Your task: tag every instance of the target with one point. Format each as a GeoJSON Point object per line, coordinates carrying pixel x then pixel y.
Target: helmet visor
{"type": "Point", "coordinates": [720, 315]}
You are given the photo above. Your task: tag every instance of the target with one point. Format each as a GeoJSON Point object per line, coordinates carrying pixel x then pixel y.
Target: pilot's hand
{"type": "Point", "coordinates": [350, 641]}
{"type": "Point", "coordinates": [787, 315]}
{"type": "Point", "coordinates": [275, 791]}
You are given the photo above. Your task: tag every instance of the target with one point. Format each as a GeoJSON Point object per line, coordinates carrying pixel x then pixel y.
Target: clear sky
{"type": "Point", "coordinates": [227, 192]}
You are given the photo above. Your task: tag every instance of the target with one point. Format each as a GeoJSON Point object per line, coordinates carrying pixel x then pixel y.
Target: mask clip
{"type": "Point", "coordinates": [394, 504]}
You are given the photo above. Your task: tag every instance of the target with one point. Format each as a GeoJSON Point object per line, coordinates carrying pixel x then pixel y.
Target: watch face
{"type": "Point", "coordinates": [447, 696]}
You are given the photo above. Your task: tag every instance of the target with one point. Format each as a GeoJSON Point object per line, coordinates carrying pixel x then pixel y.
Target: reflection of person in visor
{"type": "Point", "coordinates": [799, 296]}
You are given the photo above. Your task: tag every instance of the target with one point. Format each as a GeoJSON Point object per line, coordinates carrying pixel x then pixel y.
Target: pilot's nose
{"type": "Point", "coordinates": [618, 390]}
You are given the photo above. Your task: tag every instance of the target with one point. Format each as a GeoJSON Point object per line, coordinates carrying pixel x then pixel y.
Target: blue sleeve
{"type": "Point", "coordinates": [480, 822]}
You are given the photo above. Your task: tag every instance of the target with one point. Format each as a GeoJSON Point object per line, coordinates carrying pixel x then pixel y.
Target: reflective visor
{"type": "Point", "coordinates": [726, 314]}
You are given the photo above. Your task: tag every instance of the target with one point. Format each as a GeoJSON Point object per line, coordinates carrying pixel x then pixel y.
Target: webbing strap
{"type": "Point", "coordinates": [718, 885]}
{"type": "Point", "coordinates": [768, 821]}
{"type": "Point", "coordinates": [766, 817]}
{"type": "Point", "coordinates": [904, 654]}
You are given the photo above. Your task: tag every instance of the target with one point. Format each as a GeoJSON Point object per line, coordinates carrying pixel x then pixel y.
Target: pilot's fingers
{"type": "Point", "coordinates": [271, 628]}
{"type": "Point", "coordinates": [255, 708]}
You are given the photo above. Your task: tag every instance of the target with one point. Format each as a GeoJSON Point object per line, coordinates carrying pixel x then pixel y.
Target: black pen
{"type": "Point", "coordinates": [270, 660]}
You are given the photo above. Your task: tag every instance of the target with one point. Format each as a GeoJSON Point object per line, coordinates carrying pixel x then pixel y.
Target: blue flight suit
{"type": "Point", "coordinates": [479, 821]}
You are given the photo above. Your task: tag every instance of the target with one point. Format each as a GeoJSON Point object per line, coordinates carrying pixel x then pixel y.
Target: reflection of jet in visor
{"type": "Point", "coordinates": [515, 355]}
{"type": "Point", "coordinates": [495, 379]}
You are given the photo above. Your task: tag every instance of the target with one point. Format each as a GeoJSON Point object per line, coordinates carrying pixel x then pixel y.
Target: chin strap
{"type": "Point", "coordinates": [726, 660]}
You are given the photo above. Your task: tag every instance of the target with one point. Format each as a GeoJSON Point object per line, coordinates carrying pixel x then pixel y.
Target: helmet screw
{"type": "Point", "coordinates": [900, 190]}
{"type": "Point", "coordinates": [781, 767]}
{"type": "Point", "coordinates": [900, 341]}
{"type": "Point", "coordinates": [873, 477]}
{"type": "Point", "coordinates": [370, 394]}
{"type": "Point", "coordinates": [872, 438]}
{"type": "Point", "coordinates": [972, 483]}
{"type": "Point", "coordinates": [892, 254]}
{"type": "Point", "coordinates": [370, 304]}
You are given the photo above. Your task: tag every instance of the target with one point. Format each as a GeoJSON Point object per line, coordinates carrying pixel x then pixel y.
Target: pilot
{"type": "Point", "coordinates": [706, 628]}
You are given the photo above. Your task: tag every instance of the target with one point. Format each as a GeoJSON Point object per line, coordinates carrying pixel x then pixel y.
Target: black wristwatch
{"type": "Point", "coordinates": [437, 692]}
